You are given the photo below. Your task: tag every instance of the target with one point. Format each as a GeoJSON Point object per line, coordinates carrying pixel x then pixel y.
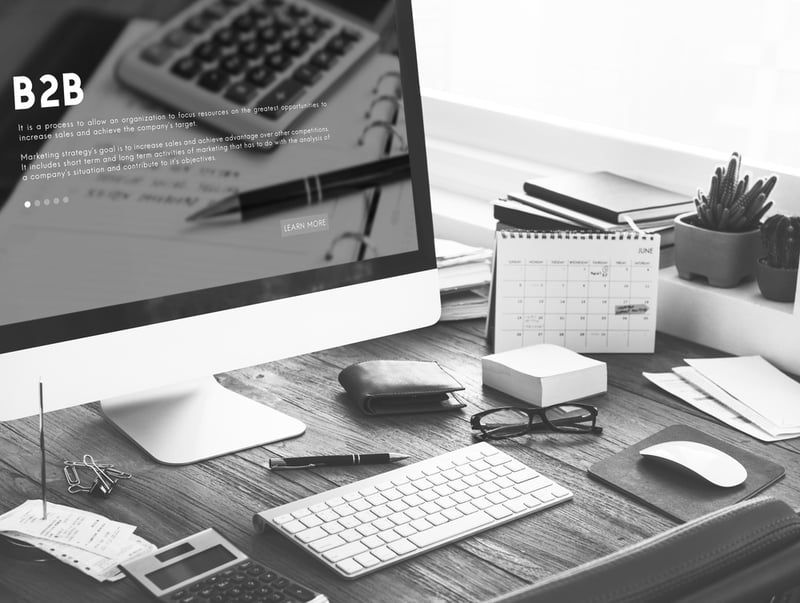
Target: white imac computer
{"type": "Point", "coordinates": [299, 123]}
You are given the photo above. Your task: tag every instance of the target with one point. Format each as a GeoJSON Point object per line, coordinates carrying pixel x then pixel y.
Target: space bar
{"type": "Point", "coordinates": [451, 529]}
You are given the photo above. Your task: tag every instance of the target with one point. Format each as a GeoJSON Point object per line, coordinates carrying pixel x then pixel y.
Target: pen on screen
{"type": "Point", "coordinates": [307, 462]}
{"type": "Point", "coordinates": [41, 448]}
{"type": "Point", "coordinates": [310, 190]}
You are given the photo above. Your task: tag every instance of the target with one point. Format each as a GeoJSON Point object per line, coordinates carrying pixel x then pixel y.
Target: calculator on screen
{"type": "Point", "coordinates": [275, 58]}
{"type": "Point", "coordinates": [206, 568]}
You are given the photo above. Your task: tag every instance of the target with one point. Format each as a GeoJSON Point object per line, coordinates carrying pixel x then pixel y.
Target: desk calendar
{"type": "Point", "coordinates": [589, 292]}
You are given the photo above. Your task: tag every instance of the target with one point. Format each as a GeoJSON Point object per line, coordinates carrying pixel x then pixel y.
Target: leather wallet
{"type": "Point", "coordinates": [384, 387]}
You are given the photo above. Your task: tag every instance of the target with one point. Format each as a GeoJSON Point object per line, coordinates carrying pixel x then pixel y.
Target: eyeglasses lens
{"type": "Point", "coordinates": [506, 422]}
{"type": "Point", "coordinates": [569, 418]}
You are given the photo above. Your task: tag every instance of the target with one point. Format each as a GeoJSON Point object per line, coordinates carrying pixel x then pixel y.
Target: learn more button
{"type": "Point", "coordinates": [304, 225]}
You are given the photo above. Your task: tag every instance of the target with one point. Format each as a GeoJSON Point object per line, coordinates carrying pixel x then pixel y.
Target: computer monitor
{"type": "Point", "coordinates": [118, 129]}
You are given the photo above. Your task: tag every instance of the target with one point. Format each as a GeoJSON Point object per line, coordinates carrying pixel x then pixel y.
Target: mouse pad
{"type": "Point", "coordinates": [677, 493]}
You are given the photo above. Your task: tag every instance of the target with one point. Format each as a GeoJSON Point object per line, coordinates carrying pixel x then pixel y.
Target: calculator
{"type": "Point", "coordinates": [206, 568]}
{"type": "Point", "coordinates": [246, 66]}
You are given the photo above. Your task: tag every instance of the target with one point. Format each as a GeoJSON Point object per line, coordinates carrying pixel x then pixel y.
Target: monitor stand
{"type": "Point", "coordinates": [195, 421]}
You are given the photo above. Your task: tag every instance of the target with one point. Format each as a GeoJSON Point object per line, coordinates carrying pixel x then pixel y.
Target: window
{"type": "Point", "coordinates": [715, 76]}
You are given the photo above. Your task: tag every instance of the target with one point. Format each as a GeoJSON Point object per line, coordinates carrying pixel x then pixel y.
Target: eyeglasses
{"type": "Point", "coordinates": [512, 421]}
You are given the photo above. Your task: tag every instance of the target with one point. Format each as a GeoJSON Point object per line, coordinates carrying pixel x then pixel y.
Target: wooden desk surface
{"type": "Point", "coordinates": [172, 502]}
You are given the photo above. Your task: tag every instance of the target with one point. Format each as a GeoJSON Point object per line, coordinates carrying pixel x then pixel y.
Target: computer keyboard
{"type": "Point", "coordinates": [272, 57]}
{"type": "Point", "coordinates": [365, 526]}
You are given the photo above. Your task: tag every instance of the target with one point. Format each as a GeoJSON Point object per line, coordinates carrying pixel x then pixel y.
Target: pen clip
{"type": "Point", "coordinates": [272, 467]}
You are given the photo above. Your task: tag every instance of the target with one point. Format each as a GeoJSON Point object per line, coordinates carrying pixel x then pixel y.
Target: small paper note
{"type": "Point", "coordinates": [86, 541]}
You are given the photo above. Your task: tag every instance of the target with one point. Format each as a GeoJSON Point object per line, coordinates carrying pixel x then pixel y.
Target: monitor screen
{"type": "Point", "coordinates": [124, 133]}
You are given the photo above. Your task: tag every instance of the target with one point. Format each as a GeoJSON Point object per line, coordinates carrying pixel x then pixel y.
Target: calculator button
{"type": "Point", "coordinates": [214, 80]}
{"type": "Point", "coordinates": [241, 93]}
{"type": "Point", "coordinates": [339, 45]}
{"type": "Point", "coordinates": [260, 76]}
{"type": "Point", "coordinates": [269, 35]}
{"type": "Point", "coordinates": [277, 598]}
{"type": "Point", "coordinates": [226, 37]}
{"type": "Point", "coordinates": [278, 61]}
{"type": "Point", "coordinates": [295, 46]}
{"type": "Point", "coordinates": [233, 64]}
{"type": "Point", "coordinates": [187, 67]}
{"type": "Point", "coordinates": [298, 12]}
{"type": "Point", "coordinates": [244, 22]}
{"type": "Point", "coordinates": [323, 59]}
{"type": "Point", "coordinates": [297, 591]}
{"type": "Point", "coordinates": [251, 49]}
{"type": "Point", "coordinates": [157, 54]}
{"type": "Point", "coordinates": [215, 11]}
{"type": "Point", "coordinates": [197, 23]}
{"type": "Point", "coordinates": [180, 594]}
{"type": "Point", "coordinates": [323, 22]}
{"type": "Point", "coordinates": [251, 585]}
{"type": "Point", "coordinates": [280, 583]}
{"type": "Point", "coordinates": [257, 570]}
{"type": "Point", "coordinates": [207, 51]}
{"type": "Point", "coordinates": [310, 32]}
{"type": "Point", "coordinates": [178, 38]}
{"type": "Point", "coordinates": [307, 74]}
{"type": "Point", "coordinates": [350, 34]}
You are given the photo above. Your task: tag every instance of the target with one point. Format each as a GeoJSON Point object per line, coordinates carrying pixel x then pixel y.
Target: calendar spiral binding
{"type": "Point", "coordinates": [624, 235]}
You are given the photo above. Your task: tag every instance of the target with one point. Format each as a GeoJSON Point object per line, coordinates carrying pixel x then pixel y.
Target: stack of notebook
{"type": "Point", "coordinates": [464, 275]}
{"type": "Point", "coordinates": [599, 201]}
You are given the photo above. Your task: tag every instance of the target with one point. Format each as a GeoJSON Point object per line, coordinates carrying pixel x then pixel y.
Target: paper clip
{"type": "Point", "coordinates": [106, 476]}
{"type": "Point", "coordinates": [103, 485]}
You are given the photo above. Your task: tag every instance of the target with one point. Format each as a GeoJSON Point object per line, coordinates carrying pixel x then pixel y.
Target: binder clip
{"type": "Point", "coordinates": [106, 477]}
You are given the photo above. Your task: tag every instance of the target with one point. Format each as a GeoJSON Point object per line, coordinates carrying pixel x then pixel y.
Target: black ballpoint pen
{"type": "Point", "coordinates": [310, 190]}
{"type": "Point", "coordinates": [307, 462]}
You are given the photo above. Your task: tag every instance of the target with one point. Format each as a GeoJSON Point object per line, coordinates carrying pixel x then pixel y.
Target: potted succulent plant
{"type": "Point", "coordinates": [777, 271]}
{"type": "Point", "coordinates": [720, 240]}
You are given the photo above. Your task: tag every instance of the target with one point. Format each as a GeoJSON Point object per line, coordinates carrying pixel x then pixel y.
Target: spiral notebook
{"type": "Point", "coordinates": [364, 121]}
{"type": "Point", "coordinates": [586, 291]}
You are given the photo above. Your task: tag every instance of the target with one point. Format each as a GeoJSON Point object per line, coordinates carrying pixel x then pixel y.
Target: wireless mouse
{"type": "Point", "coordinates": [710, 464]}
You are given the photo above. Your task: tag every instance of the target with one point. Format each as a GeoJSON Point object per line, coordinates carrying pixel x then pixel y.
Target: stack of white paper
{"type": "Point", "coordinates": [746, 392]}
{"type": "Point", "coordinates": [86, 541]}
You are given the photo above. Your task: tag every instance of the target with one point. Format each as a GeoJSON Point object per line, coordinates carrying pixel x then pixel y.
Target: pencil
{"type": "Point", "coordinates": [41, 448]}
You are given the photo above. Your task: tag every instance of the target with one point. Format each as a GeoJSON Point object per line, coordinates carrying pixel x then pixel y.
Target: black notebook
{"type": "Point", "coordinates": [609, 197]}
{"type": "Point", "coordinates": [676, 494]}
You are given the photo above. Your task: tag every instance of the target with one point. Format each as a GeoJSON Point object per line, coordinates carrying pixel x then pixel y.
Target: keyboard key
{"type": "Point", "coordinates": [293, 527]}
{"type": "Point", "coordinates": [311, 534]}
{"type": "Point", "coordinates": [327, 543]}
{"type": "Point", "coordinates": [452, 513]}
{"type": "Point", "coordinates": [351, 549]}
{"type": "Point", "coordinates": [499, 512]}
{"type": "Point", "coordinates": [214, 80]}
{"type": "Point", "coordinates": [406, 529]}
{"type": "Point", "coordinates": [415, 512]}
{"type": "Point", "coordinates": [442, 532]}
{"type": "Point", "coordinates": [545, 495]}
{"type": "Point", "coordinates": [333, 527]}
{"type": "Point", "coordinates": [350, 566]}
{"type": "Point", "coordinates": [338, 45]}
{"type": "Point", "coordinates": [437, 519]}
{"type": "Point", "coordinates": [307, 519]}
{"type": "Point", "coordinates": [226, 37]}
{"type": "Point", "coordinates": [372, 542]}
{"type": "Point", "coordinates": [295, 46]}
{"type": "Point", "coordinates": [389, 536]}
{"type": "Point", "coordinates": [402, 546]}
{"type": "Point", "coordinates": [366, 516]}
{"type": "Point", "coordinates": [369, 529]}
{"type": "Point", "coordinates": [384, 553]}
{"type": "Point", "coordinates": [269, 35]}
{"type": "Point", "coordinates": [350, 535]}
{"type": "Point", "coordinates": [350, 521]}
{"type": "Point", "coordinates": [367, 559]}
{"type": "Point", "coordinates": [260, 76]}
{"type": "Point", "coordinates": [516, 505]}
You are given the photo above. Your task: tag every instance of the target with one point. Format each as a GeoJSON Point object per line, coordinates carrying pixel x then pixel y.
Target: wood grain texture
{"type": "Point", "coordinates": [171, 502]}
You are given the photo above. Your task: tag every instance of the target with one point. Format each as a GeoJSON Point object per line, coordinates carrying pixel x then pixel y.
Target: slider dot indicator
{"type": "Point", "coordinates": [56, 201]}
{"type": "Point", "coordinates": [37, 203]}
{"type": "Point", "coordinates": [47, 201]}
{"type": "Point", "coordinates": [27, 204]}
{"type": "Point", "coordinates": [65, 200]}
